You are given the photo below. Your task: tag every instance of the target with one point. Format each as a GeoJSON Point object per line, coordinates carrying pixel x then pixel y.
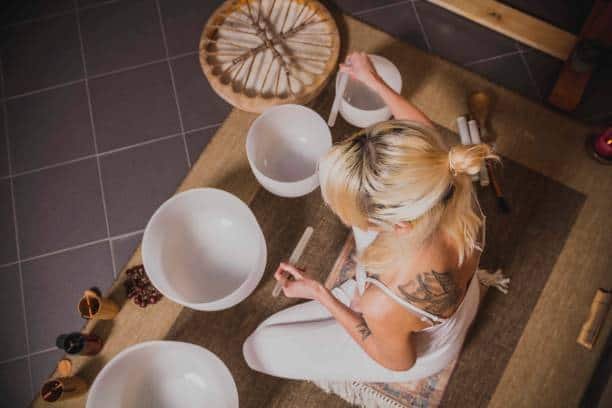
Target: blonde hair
{"type": "Point", "coordinates": [400, 171]}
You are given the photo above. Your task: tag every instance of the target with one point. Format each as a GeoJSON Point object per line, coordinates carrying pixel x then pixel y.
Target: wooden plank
{"type": "Point", "coordinates": [514, 24]}
{"type": "Point", "coordinates": [571, 84]}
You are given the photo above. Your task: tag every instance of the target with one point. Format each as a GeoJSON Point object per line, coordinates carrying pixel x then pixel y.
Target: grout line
{"type": "Point", "coordinates": [203, 128]}
{"type": "Point", "coordinates": [422, 27]}
{"type": "Point", "coordinates": [51, 166]}
{"type": "Point", "coordinates": [125, 69]}
{"type": "Point", "coordinates": [507, 54]}
{"type": "Point", "coordinates": [43, 351]}
{"type": "Point", "coordinates": [61, 251]}
{"type": "Point", "coordinates": [93, 133]}
{"type": "Point", "coordinates": [529, 72]}
{"type": "Point", "coordinates": [82, 245]}
{"type": "Point", "coordinates": [184, 54]}
{"type": "Point", "coordinates": [127, 234]}
{"type": "Point", "coordinates": [10, 360]}
{"type": "Point", "coordinates": [383, 7]}
{"type": "Point", "coordinates": [16, 236]}
{"type": "Point", "coordinates": [48, 88]}
{"type": "Point", "coordinates": [140, 144]}
{"type": "Point", "coordinates": [176, 98]}
{"type": "Point", "coordinates": [6, 265]}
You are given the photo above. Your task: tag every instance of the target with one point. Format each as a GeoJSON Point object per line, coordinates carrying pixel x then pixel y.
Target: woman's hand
{"type": "Point", "coordinates": [296, 283]}
{"type": "Point", "coordinates": [359, 66]}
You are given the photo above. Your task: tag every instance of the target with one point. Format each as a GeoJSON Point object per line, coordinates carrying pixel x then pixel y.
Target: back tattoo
{"type": "Point", "coordinates": [434, 292]}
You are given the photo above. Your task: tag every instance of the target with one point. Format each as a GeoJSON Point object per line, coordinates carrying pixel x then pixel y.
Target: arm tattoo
{"type": "Point", "coordinates": [434, 292]}
{"type": "Point", "coordinates": [363, 328]}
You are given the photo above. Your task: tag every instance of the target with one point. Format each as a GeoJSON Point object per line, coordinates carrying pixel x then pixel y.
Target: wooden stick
{"type": "Point", "coordinates": [295, 256]}
{"type": "Point", "coordinates": [596, 318]}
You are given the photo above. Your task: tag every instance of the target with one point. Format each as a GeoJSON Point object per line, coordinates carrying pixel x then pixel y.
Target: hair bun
{"type": "Point", "coordinates": [468, 159]}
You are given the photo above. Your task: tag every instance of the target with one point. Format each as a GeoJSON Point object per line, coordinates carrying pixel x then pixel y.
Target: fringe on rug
{"type": "Point", "coordinates": [358, 394]}
{"type": "Point", "coordinates": [496, 279]}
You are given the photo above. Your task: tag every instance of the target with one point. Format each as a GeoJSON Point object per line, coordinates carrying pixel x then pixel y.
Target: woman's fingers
{"type": "Point", "coordinates": [291, 270]}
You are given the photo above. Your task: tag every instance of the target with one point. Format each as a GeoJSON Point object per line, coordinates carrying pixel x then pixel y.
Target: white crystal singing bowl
{"type": "Point", "coordinates": [284, 145]}
{"type": "Point", "coordinates": [164, 374]}
{"type": "Point", "coordinates": [366, 117]}
{"type": "Point", "coordinates": [204, 249]}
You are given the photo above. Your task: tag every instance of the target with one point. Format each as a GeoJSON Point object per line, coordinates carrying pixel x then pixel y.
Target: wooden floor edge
{"type": "Point", "coordinates": [514, 24]}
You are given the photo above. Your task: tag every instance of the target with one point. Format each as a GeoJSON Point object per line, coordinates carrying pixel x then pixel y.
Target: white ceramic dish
{"type": "Point", "coordinates": [284, 145]}
{"type": "Point", "coordinates": [360, 106]}
{"type": "Point", "coordinates": [164, 374]}
{"type": "Point", "coordinates": [204, 249]}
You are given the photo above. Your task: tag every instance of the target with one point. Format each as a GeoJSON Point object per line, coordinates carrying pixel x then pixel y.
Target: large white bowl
{"type": "Point", "coordinates": [284, 145]}
{"type": "Point", "coordinates": [204, 249]}
{"type": "Point", "coordinates": [366, 108]}
{"type": "Point", "coordinates": [164, 374]}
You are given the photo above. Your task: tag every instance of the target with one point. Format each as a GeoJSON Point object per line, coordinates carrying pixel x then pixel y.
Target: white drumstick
{"type": "Point", "coordinates": [295, 257]}
{"type": "Point", "coordinates": [333, 114]}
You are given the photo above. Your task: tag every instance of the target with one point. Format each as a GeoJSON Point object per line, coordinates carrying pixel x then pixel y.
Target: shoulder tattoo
{"type": "Point", "coordinates": [363, 328]}
{"type": "Point", "coordinates": [434, 292]}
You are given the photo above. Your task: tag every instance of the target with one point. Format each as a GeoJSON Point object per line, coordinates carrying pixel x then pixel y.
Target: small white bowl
{"type": "Point", "coordinates": [365, 107]}
{"type": "Point", "coordinates": [204, 249]}
{"type": "Point", "coordinates": [284, 145]}
{"type": "Point", "coordinates": [164, 374]}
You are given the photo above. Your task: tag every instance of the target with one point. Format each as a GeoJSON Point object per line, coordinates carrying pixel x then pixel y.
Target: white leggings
{"type": "Point", "coordinates": [306, 342]}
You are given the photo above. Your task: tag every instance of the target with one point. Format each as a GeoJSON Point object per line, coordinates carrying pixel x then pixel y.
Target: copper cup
{"type": "Point", "coordinates": [63, 388]}
{"type": "Point", "coordinates": [94, 306]}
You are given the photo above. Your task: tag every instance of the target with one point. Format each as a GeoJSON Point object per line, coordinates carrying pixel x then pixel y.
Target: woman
{"type": "Point", "coordinates": [417, 228]}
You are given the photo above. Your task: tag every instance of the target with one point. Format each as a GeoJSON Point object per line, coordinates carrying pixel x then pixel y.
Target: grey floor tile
{"type": "Point", "coordinates": [88, 3]}
{"type": "Point", "coordinates": [59, 207]}
{"type": "Point", "coordinates": [8, 247]}
{"type": "Point", "coordinates": [121, 34]}
{"type": "Point", "coordinates": [458, 39]}
{"type": "Point", "coordinates": [12, 330]}
{"type": "Point", "coordinates": [568, 14]}
{"type": "Point", "coordinates": [123, 249]}
{"type": "Point", "coordinates": [544, 68]}
{"type": "Point", "coordinates": [54, 284]}
{"type": "Point", "coordinates": [400, 21]}
{"type": "Point", "coordinates": [197, 141]}
{"type": "Point", "coordinates": [184, 21]}
{"type": "Point", "coordinates": [595, 105]}
{"type": "Point", "coordinates": [4, 165]}
{"type": "Point", "coordinates": [200, 105]}
{"type": "Point", "coordinates": [43, 365]}
{"type": "Point", "coordinates": [356, 6]}
{"type": "Point", "coordinates": [138, 180]}
{"type": "Point", "coordinates": [510, 72]}
{"type": "Point", "coordinates": [12, 11]}
{"type": "Point", "coordinates": [134, 106]}
{"type": "Point", "coordinates": [41, 54]}
{"type": "Point", "coordinates": [15, 386]}
{"type": "Point", "coordinates": [49, 127]}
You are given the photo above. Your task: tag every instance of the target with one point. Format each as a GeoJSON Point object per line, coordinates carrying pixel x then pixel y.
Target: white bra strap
{"type": "Point", "coordinates": [425, 316]}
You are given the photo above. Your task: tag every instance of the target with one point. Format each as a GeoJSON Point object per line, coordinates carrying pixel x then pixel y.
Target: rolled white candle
{"type": "Point", "coordinates": [464, 133]}
{"type": "Point", "coordinates": [475, 136]}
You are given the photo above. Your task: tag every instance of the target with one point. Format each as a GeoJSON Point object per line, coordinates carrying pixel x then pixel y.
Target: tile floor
{"type": "Point", "coordinates": [104, 108]}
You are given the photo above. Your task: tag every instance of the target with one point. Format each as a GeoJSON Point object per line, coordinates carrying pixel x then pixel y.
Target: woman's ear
{"type": "Point", "coordinates": [403, 227]}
